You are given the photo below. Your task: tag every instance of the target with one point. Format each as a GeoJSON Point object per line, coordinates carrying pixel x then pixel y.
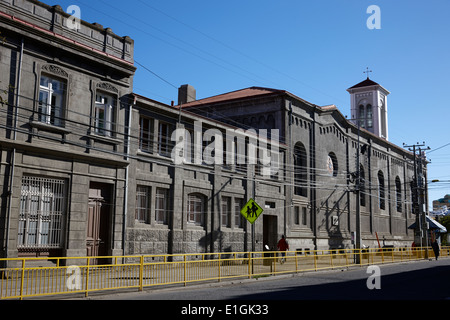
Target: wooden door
{"type": "Point", "coordinates": [97, 225]}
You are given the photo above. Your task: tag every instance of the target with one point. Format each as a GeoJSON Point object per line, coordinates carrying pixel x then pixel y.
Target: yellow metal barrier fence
{"type": "Point", "coordinates": [33, 277]}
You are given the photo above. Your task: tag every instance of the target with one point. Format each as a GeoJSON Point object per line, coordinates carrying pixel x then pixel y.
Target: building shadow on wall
{"type": "Point", "coordinates": [213, 239]}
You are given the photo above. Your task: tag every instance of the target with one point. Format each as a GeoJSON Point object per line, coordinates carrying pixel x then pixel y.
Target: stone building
{"type": "Point", "coordinates": [87, 167]}
{"type": "Point", "coordinates": [193, 206]}
{"type": "Point", "coordinates": [62, 133]}
{"type": "Point", "coordinates": [319, 209]}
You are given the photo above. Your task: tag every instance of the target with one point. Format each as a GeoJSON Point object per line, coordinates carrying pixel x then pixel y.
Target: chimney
{"type": "Point", "coordinates": [186, 93]}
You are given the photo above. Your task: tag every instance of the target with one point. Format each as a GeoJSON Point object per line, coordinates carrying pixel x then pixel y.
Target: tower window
{"type": "Point", "coordinates": [362, 116]}
{"type": "Point", "coordinates": [365, 116]}
{"type": "Point", "coordinates": [369, 120]}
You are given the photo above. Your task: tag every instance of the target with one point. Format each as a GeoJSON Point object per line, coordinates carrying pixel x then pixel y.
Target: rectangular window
{"type": "Point", "coordinates": [145, 134]}
{"type": "Point", "coordinates": [296, 215]}
{"type": "Point", "coordinates": [369, 117]}
{"type": "Point", "coordinates": [381, 199]}
{"type": "Point", "coordinates": [189, 146]}
{"type": "Point", "coordinates": [161, 205]}
{"type": "Point", "coordinates": [226, 212]}
{"type": "Point", "coordinates": [398, 194]}
{"type": "Point", "coordinates": [42, 213]}
{"type": "Point", "coordinates": [195, 210]}
{"type": "Point", "coordinates": [362, 117]}
{"type": "Point", "coordinates": [51, 100]}
{"type": "Point", "coordinates": [142, 204]}
{"type": "Point", "coordinates": [240, 157]}
{"type": "Point", "coordinates": [164, 142]}
{"type": "Point", "coordinates": [238, 218]}
{"type": "Point", "coordinates": [274, 165]}
{"type": "Point", "coordinates": [104, 114]}
{"type": "Point", "coordinates": [304, 217]}
{"type": "Point", "coordinates": [269, 205]}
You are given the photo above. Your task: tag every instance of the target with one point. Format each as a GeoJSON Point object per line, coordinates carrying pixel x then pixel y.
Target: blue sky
{"type": "Point", "coordinates": [314, 49]}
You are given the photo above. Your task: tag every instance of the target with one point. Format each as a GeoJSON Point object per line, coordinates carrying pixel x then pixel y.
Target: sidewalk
{"type": "Point", "coordinates": [54, 280]}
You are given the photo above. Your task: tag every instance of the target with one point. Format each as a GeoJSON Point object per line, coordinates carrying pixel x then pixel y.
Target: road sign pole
{"type": "Point", "coordinates": [253, 237]}
{"type": "Point", "coordinates": [253, 246]}
{"type": "Point", "coordinates": [251, 211]}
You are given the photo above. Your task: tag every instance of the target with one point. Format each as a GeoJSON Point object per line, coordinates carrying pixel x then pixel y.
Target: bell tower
{"type": "Point", "coordinates": [368, 102]}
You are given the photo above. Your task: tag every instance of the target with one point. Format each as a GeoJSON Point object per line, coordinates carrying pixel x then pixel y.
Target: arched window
{"type": "Point", "coordinates": [300, 170]}
{"type": "Point", "coordinates": [270, 123]}
{"type": "Point", "coordinates": [196, 209]}
{"type": "Point", "coordinates": [365, 114]}
{"type": "Point", "coordinates": [381, 191]}
{"type": "Point", "coordinates": [398, 193]}
{"type": "Point", "coordinates": [332, 165]}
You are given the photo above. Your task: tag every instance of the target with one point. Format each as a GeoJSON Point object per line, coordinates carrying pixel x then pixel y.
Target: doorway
{"type": "Point", "coordinates": [98, 221]}
{"type": "Point", "coordinates": [270, 231]}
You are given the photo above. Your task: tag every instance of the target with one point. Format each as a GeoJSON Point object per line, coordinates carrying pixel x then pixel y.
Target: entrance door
{"type": "Point", "coordinates": [270, 231]}
{"type": "Point", "coordinates": [98, 222]}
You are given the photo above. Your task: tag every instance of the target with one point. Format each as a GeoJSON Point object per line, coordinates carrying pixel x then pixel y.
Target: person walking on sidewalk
{"type": "Point", "coordinates": [282, 246]}
{"type": "Point", "coordinates": [435, 246]}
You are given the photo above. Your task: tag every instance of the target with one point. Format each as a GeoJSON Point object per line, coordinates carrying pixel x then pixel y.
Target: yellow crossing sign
{"type": "Point", "coordinates": [251, 211]}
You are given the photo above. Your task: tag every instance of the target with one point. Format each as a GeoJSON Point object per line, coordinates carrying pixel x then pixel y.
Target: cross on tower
{"type": "Point", "coordinates": [367, 71]}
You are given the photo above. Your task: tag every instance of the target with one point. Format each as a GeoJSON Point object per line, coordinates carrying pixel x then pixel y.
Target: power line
{"type": "Point", "coordinates": [286, 167]}
{"type": "Point", "coordinates": [445, 145]}
{"type": "Point", "coordinates": [156, 75]}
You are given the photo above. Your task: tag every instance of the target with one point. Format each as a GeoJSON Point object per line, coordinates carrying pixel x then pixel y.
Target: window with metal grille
{"type": "Point", "coordinates": [42, 213]}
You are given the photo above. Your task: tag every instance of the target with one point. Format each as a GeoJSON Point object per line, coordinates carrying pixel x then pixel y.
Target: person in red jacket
{"type": "Point", "coordinates": [282, 246]}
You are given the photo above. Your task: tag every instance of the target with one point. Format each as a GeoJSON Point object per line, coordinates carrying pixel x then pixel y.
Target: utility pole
{"type": "Point", "coordinates": [418, 190]}
{"type": "Point", "coordinates": [357, 189]}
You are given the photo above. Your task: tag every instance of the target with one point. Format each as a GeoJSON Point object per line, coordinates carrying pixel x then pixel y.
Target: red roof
{"type": "Point", "coordinates": [234, 95]}
{"type": "Point", "coordinates": [243, 94]}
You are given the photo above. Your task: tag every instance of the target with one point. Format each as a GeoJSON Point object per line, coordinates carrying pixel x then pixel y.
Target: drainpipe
{"type": "Point", "coordinates": [313, 179]}
{"type": "Point", "coordinates": [13, 154]}
{"type": "Point", "coordinates": [125, 206]}
{"type": "Point", "coordinates": [290, 208]}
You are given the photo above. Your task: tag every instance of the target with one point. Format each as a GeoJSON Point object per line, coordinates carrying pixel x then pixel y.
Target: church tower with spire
{"type": "Point", "coordinates": [368, 101]}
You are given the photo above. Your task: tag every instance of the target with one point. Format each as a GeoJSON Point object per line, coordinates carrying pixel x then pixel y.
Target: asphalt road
{"type": "Point", "coordinates": [422, 280]}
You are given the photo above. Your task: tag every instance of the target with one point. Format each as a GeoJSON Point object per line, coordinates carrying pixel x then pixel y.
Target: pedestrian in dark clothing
{"type": "Point", "coordinates": [435, 247]}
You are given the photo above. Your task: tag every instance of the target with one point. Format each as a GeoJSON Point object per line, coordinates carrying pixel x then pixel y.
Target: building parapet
{"type": "Point", "coordinates": [55, 20]}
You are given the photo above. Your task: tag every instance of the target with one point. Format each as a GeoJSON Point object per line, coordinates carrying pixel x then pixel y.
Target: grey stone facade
{"type": "Point", "coordinates": [60, 141]}
{"type": "Point", "coordinates": [76, 145]}
{"type": "Point", "coordinates": [325, 199]}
